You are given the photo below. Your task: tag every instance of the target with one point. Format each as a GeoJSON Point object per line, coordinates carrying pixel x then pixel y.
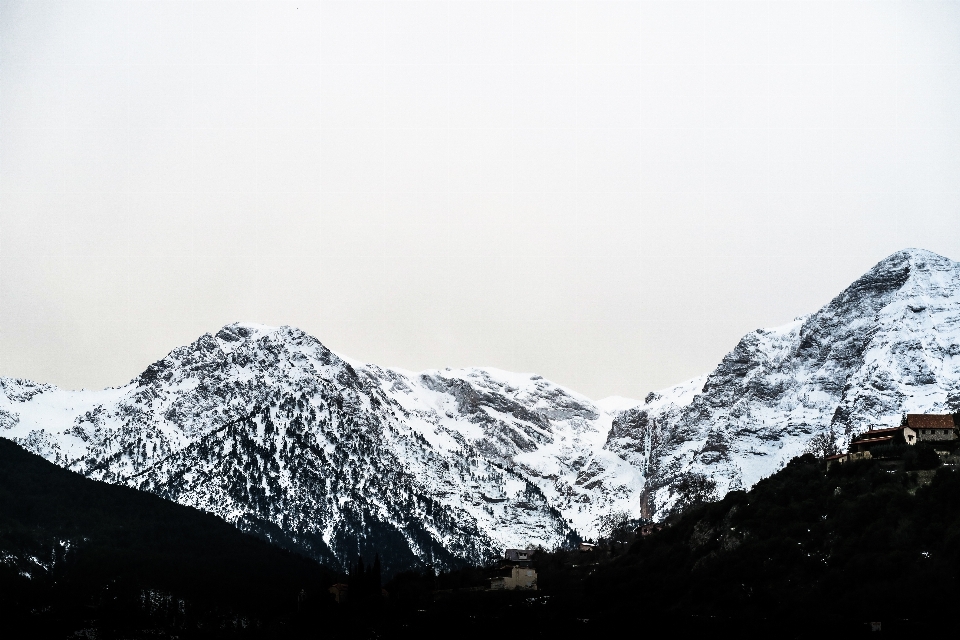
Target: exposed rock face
{"type": "Point", "coordinates": [269, 429]}
{"type": "Point", "coordinates": [888, 344]}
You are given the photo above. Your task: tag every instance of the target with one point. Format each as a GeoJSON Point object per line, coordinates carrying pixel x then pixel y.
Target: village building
{"type": "Point", "coordinates": [840, 458]}
{"type": "Point", "coordinates": [516, 572]}
{"type": "Point", "coordinates": [515, 578]}
{"type": "Point", "coordinates": [930, 427]}
{"type": "Point", "coordinates": [915, 428]}
{"type": "Point", "coordinates": [586, 546]}
{"type": "Point", "coordinates": [339, 592]}
{"type": "Point", "coordinates": [876, 438]}
{"type": "Point", "coordinates": [522, 557]}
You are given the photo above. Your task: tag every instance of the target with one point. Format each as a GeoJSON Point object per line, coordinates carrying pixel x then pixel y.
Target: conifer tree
{"type": "Point", "coordinates": [358, 583]}
{"type": "Point", "coordinates": [375, 579]}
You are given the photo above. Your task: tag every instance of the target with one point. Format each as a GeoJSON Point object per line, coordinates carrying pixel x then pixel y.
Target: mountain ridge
{"type": "Point", "coordinates": [269, 429]}
{"type": "Point", "coordinates": [886, 345]}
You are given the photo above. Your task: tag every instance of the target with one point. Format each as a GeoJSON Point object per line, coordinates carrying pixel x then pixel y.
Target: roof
{"type": "Point", "coordinates": [880, 433]}
{"type": "Point", "coordinates": [517, 555]}
{"type": "Point", "coordinates": [839, 455]}
{"type": "Point", "coordinates": [872, 440]}
{"type": "Point", "coordinates": [930, 421]}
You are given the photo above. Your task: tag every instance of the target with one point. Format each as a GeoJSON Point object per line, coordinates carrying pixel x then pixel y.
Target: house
{"type": "Point", "coordinates": [916, 427]}
{"type": "Point", "coordinates": [516, 571]}
{"type": "Point", "coordinates": [521, 557]}
{"type": "Point", "coordinates": [929, 427]}
{"type": "Point", "coordinates": [869, 440]}
{"type": "Point", "coordinates": [586, 546]}
{"type": "Point", "coordinates": [650, 529]}
{"type": "Point", "coordinates": [839, 458]}
{"type": "Point", "coordinates": [339, 592]}
{"type": "Point", "coordinates": [515, 577]}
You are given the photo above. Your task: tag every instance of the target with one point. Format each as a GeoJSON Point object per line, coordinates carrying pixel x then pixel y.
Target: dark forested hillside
{"type": "Point", "coordinates": [807, 549]}
{"type": "Point", "coordinates": [76, 555]}
{"type": "Point", "coordinates": [809, 552]}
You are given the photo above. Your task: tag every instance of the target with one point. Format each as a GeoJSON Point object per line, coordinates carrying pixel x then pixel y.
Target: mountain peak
{"type": "Point", "coordinates": [269, 429]}
{"type": "Point", "coordinates": [889, 279]}
{"type": "Point", "coordinates": [916, 258]}
{"type": "Point", "coordinates": [242, 331]}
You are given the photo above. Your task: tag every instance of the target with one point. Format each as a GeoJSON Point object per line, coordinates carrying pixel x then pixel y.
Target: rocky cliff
{"type": "Point", "coordinates": [888, 344]}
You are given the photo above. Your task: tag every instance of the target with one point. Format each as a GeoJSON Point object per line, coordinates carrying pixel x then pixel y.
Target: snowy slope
{"type": "Point", "coordinates": [269, 429]}
{"type": "Point", "coordinates": [889, 344]}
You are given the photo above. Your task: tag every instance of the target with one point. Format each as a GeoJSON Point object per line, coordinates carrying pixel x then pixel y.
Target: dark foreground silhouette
{"type": "Point", "coordinates": [809, 552]}
{"type": "Point", "coordinates": [80, 558]}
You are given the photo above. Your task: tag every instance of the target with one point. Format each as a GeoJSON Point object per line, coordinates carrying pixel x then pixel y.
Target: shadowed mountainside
{"type": "Point", "coordinates": [80, 554]}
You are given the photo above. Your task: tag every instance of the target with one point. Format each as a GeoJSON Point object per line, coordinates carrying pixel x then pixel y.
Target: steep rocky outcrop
{"type": "Point", "coordinates": [270, 430]}
{"type": "Point", "coordinates": [887, 344]}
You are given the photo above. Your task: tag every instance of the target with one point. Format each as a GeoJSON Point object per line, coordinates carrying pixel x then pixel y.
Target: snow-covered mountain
{"type": "Point", "coordinates": [269, 429]}
{"type": "Point", "coordinates": [889, 344]}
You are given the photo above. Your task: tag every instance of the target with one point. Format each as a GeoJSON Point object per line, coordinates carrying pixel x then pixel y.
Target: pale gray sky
{"type": "Point", "coordinates": [607, 193]}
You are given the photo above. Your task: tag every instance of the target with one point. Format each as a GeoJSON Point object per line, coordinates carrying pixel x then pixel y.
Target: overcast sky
{"type": "Point", "coordinates": [607, 193]}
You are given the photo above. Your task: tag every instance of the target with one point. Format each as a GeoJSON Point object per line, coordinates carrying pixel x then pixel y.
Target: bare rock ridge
{"type": "Point", "coordinates": [269, 429]}
{"type": "Point", "coordinates": [887, 344]}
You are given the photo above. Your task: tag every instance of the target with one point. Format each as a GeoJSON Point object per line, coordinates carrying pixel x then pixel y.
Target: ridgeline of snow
{"type": "Point", "coordinates": [889, 344]}
{"type": "Point", "coordinates": [267, 428]}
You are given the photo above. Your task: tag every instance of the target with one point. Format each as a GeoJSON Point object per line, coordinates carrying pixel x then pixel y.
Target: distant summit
{"type": "Point", "coordinates": [888, 344]}
{"type": "Point", "coordinates": [269, 429]}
